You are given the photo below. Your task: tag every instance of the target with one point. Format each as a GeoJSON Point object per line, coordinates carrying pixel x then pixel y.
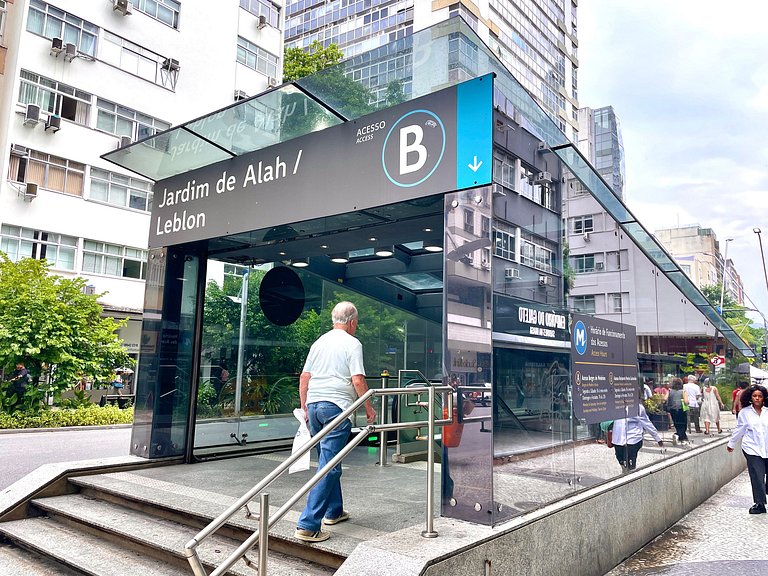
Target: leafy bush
{"type": "Point", "coordinates": [91, 415]}
{"type": "Point", "coordinates": [654, 404]}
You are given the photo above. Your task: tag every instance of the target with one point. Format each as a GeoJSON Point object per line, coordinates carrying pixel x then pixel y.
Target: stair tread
{"type": "Point", "coordinates": [83, 552]}
{"type": "Point", "coordinates": [14, 560]}
{"type": "Point", "coordinates": [206, 504]}
{"type": "Point", "coordinates": [163, 534]}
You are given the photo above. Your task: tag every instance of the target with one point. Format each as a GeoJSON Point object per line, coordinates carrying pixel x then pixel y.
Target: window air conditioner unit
{"type": "Point", "coordinates": [70, 52]}
{"type": "Point", "coordinates": [53, 124]}
{"type": "Point", "coordinates": [240, 95]}
{"type": "Point", "coordinates": [545, 280]}
{"type": "Point", "coordinates": [19, 150]}
{"type": "Point", "coordinates": [32, 115]}
{"type": "Point", "coordinates": [125, 141]}
{"type": "Point", "coordinates": [262, 22]}
{"type": "Point", "coordinates": [543, 178]}
{"type": "Point", "coordinates": [599, 265]}
{"type": "Point", "coordinates": [170, 64]}
{"type": "Point", "coordinates": [272, 82]}
{"type": "Point", "coordinates": [511, 273]}
{"type": "Point", "coordinates": [123, 6]}
{"type": "Point", "coordinates": [57, 45]}
{"type": "Point", "coordinates": [30, 191]}
{"type": "Point", "coordinates": [586, 236]}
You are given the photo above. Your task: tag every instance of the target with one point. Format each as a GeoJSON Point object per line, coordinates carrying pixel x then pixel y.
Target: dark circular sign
{"type": "Point", "coordinates": [281, 296]}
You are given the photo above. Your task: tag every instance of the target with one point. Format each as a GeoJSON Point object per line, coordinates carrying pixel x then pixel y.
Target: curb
{"type": "Point", "coordinates": [62, 429]}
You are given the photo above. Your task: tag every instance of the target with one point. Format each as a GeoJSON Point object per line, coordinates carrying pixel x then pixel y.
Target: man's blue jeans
{"type": "Point", "coordinates": [325, 498]}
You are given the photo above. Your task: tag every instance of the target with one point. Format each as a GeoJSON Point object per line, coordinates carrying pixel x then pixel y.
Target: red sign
{"type": "Point", "coordinates": [717, 360]}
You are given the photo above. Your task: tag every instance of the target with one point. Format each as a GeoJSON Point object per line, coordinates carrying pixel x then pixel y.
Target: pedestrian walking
{"type": "Point", "coordinates": [752, 430]}
{"type": "Point", "coordinates": [711, 404]}
{"type": "Point", "coordinates": [693, 395]}
{"type": "Point", "coordinates": [333, 377]}
{"type": "Point", "coordinates": [675, 407]}
{"type": "Point", "coordinates": [627, 438]}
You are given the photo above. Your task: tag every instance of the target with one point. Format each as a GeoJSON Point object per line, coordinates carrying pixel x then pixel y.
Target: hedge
{"type": "Point", "coordinates": [56, 418]}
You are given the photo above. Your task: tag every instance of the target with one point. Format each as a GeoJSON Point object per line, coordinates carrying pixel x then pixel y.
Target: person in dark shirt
{"type": "Point", "coordinates": [20, 379]}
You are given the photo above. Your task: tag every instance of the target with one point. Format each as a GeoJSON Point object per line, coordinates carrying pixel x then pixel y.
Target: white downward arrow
{"type": "Point", "coordinates": [476, 165]}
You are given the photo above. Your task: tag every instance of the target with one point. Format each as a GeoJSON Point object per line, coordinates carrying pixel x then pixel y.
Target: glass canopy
{"type": "Point", "coordinates": [445, 54]}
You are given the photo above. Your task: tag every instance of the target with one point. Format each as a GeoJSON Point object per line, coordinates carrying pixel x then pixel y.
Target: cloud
{"type": "Point", "coordinates": [689, 82]}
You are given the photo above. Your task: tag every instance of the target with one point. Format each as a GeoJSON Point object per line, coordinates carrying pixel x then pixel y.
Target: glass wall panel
{"type": "Point", "coordinates": [467, 491]}
{"type": "Point", "coordinates": [165, 383]}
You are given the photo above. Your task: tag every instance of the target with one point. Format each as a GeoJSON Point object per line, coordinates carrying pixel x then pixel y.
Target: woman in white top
{"type": "Point", "coordinates": [627, 437]}
{"type": "Point", "coordinates": [752, 430]}
{"type": "Point", "coordinates": [711, 404]}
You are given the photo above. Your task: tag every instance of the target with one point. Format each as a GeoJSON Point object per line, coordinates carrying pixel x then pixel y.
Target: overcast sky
{"type": "Point", "coordinates": [688, 80]}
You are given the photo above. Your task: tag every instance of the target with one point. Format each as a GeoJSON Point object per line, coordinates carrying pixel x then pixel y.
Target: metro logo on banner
{"type": "Point", "coordinates": [717, 360]}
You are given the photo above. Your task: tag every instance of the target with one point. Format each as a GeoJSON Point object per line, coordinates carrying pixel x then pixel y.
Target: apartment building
{"type": "Point", "coordinates": [80, 78]}
{"type": "Point", "coordinates": [536, 40]}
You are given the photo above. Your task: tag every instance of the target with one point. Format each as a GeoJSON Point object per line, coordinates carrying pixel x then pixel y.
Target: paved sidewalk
{"type": "Point", "coordinates": [719, 537]}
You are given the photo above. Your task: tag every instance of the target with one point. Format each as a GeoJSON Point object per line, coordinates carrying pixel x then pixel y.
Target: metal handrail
{"type": "Point", "coordinates": [260, 536]}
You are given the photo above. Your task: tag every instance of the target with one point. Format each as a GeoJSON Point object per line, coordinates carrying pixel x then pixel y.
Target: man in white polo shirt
{"type": "Point", "coordinates": [692, 389]}
{"type": "Point", "coordinates": [332, 379]}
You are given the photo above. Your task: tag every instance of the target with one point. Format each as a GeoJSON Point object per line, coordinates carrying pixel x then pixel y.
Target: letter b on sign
{"type": "Point", "coordinates": [413, 148]}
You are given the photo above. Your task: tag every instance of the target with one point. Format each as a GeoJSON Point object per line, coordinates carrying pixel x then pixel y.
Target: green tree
{"type": "Point", "coordinates": [734, 314]}
{"type": "Point", "coordinates": [54, 327]}
{"type": "Point", "coordinates": [299, 63]}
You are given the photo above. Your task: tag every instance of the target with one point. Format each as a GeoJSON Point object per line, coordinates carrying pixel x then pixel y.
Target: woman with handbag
{"type": "Point", "coordinates": [676, 406]}
{"type": "Point", "coordinates": [752, 430]}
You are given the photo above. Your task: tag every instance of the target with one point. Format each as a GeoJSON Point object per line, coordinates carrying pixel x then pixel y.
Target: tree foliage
{"type": "Point", "coordinates": [734, 314]}
{"type": "Point", "coordinates": [51, 325]}
{"type": "Point", "coordinates": [299, 63]}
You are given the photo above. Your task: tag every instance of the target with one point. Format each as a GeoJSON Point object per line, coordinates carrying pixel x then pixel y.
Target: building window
{"type": "Point", "coordinates": [256, 58]}
{"type": "Point", "coordinates": [581, 224]}
{"type": "Point", "coordinates": [166, 11]}
{"type": "Point", "coordinates": [51, 22]}
{"type": "Point", "coordinates": [504, 245]}
{"type": "Point", "coordinates": [584, 263]}
{"type": "Point", "coordinates": [123, 121]}
{"type": "Point", "coordinates": [2, 19]}
{"type": "Point", "coordinates": [616, 303]}
{"type": "Point", "coordinates": [55, 173]}
{"type": "Point", "coordinates": [525, 187]}
{"type": "Point", "coordinates": [485, 226]}
{"type": "Point", "coordinates": [504, 170]}
{"type": "Point", "coordinates": [55, 97]}
{"type": "Point", "coordinates": [57, 249]}
{"type": "Point", "coordinates": [536, 256]}
{"type": "Point", "coordinates": [120, 190]}
{"type": "Point", "coordinates": [584, 304]}
{"type": "Point", "coordinates": [114, 260]}
{"type": "Point", "coordinates": [469, 221]}
{"type": "Point", "coordinates": [263, 8]}
{"type": "Point", "coordinates": [133, 59]}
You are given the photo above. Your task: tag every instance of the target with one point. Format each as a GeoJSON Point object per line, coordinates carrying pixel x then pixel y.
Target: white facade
{"type": "Point", "coordinates": [125, 77]}
{"type": "Point", "coordinates": [536, 40]}
{"type": "Point", "coordinates": [613, 277]}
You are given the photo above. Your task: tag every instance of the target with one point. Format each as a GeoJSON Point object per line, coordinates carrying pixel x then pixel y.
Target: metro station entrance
{"type": "Point", "coordinates": [268, 296]}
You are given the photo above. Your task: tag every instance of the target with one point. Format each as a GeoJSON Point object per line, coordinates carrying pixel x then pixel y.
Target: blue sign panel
{"type": "Point", "coordinates": [474, 133]}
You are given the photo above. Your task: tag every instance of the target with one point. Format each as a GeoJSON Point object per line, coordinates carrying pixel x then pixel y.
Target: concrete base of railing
{"type": "Point", "coordinates": [586, 535]}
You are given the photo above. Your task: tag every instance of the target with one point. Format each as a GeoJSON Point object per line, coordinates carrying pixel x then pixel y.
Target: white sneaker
{"type": "Point", "coordinates": [674, 439]}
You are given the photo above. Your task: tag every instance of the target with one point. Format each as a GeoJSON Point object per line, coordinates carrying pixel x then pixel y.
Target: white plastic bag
{"type": "Point", "coordinates": [299, 440]}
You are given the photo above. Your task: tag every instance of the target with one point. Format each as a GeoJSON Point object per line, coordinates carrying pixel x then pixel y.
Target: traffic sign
{"type": "Point", "coordinates": [717, 360]}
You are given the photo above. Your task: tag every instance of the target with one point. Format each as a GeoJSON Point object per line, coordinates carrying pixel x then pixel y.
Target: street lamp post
{"type": "Point", "coordinates": [762, 254]}
{"type": "Point", "coordinates": [725, 274]}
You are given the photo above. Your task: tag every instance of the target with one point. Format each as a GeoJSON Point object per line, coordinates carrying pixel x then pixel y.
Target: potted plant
{"type": "Point", "coordinates": [656, 413]}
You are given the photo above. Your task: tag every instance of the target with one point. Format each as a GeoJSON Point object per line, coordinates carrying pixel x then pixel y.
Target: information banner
{"type": "Point", "coordinates": [604, 369]}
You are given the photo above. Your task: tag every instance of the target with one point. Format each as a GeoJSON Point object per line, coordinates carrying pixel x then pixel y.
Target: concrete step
{"type": "Point", "coordinates": [162, 538]}
{"type": "Point", "coordinates": [197, 507]}
{"type": "Point", "coordinates": [82, 552]}
{"type": "Point", "coordinates": [16, 561]}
